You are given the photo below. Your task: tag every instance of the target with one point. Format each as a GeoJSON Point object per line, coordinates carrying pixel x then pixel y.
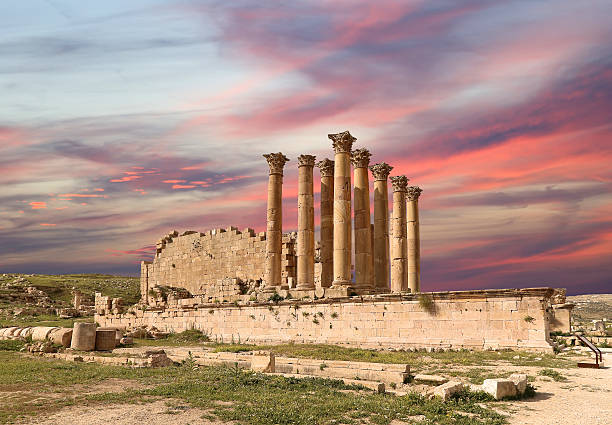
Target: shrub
{"type": "Point", "coordinates": [556, 376]}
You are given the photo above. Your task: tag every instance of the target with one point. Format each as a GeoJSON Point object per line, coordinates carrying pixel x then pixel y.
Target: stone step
{"type": "Point", "coordinates": [379, 387]}
{"type": "Point", "coordinates": [430, 379]}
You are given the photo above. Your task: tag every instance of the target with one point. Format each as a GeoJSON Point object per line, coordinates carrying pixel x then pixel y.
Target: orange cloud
{"type": "Point", "coordinates": [173, 181]}
{"type": "Point", "coordinates": [80, 195]}
{"type": "Point", "coordinates": [125, 179]}
{"type": "Point", "coordinates": [183, 186]}
{"type": "Point", "coordinates": [48, 224]}
{"type": "Point", "coordinates": [38, 205]}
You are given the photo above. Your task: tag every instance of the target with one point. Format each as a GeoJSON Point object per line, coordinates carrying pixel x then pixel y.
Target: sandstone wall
{"type": "Point", "coordinates": [513, 318]}
{"type": "Point", "coordinates": [196, 261]}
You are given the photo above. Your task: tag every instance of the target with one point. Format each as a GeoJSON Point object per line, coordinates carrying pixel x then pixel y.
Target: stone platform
{"type": "Point", "coordinates": [483, 319]}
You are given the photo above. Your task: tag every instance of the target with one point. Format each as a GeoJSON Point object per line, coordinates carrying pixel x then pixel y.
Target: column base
{"type": "Point", "coordinates": [303, 293]}
{"type": "Point", "coordinates": [271, 289]}
{"type": "Point", "coordinates": [338, 291]}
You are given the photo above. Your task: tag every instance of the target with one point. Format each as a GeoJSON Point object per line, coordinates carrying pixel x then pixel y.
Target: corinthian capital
{"type": "Point", "coordinates": [327, 167]}
{"type": "Point", "coordinates": [360, 158]}
{"type": "Point", "coordinates": [413, 193]}
{"type": "Point", "coordinates": [343, 142]}
{"type": "Point", "coordinates": [381, 170]}
{"type": "Point", "coordinates": [399, 183]}
{"type": "Point", "coordinates": [306, 160]}
{"type": "Point", "coordinates": [276, 161]}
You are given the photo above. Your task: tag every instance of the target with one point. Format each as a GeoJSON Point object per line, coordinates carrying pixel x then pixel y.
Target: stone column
{"type": "Point", "coordinates": [327, 222]}
{"type": "Point", "coordinates": [381, 172]}
{"type": "Point", "coordinates": [363, 237]}
{"type": "Point", "coordinates": [305, 238]}
{"type": "Point", "coordinates": [342, 142]}
{"type": "Point", "coordinates": [274, 233]}
{"type": "Point", "coordinates": [77, 299]}
{"type": "Point", "coordinates": [399, 249]}
{"type": "Point", "coordinates": [414, 239]}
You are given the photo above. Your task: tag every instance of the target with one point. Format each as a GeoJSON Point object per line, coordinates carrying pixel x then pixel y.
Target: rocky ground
{"type": "Point", "coordinates": [28, 299]}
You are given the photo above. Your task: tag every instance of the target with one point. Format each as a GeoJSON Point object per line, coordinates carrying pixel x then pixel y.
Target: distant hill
{"type": "Point", "coordinates": [591, 307]}
{"type": "Point", "coordinates": [26, 298]}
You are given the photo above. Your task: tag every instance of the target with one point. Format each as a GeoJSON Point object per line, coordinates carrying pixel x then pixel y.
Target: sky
{"type": "Point", "coordinates": [121, 121]}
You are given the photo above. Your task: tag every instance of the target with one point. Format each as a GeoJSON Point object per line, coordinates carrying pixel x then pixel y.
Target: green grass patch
{"type": "Point", "coordinates": [228, 393]}
{"type": "Point", "coordinates": [42, 320]}
{"type": "Point", "coordinates": [190, 337]}
{"type": "Point", "coordinates": [11, 345]}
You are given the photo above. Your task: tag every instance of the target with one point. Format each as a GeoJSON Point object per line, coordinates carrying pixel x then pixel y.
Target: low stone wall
{"type": "Point", "coordinates": [506, 318]}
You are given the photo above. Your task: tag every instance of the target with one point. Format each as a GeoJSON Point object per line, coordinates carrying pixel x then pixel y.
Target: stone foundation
{"type": "Point", "coordinates": [497, 319]}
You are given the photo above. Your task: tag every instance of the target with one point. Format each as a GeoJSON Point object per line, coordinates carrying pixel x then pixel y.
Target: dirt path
{"type": "Point", "coordinates": [585, 398]}
{"type": "Point", "coordinates": [150, 413]}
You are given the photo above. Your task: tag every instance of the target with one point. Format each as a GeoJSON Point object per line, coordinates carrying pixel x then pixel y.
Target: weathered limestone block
{"type": "Point", "coordinates": [520, 382]}
{"type": "Point", "coordinates": [84, 337]}
{"type": "Point", "coordinates": [499, 388]}
{"type": "Point", "coordinates": [430, 379]}
{"type": "Point", "coordinates": [263, 362]}
{"type": "Point", "coordinates": [40, 333]}
{"type": "Point", "coordinates": [446, 391]}
{"type": "Point", "coordinates": [106, 339]}
{"type": "Point", "coordinates": [61, 336]}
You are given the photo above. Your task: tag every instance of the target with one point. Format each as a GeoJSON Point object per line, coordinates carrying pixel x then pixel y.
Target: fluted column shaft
{"type": "Point", "coordinates": [399, 248]}
{"type": "Point", "coordinates": [342, 143]}
{"type": "Point", "coordinates": [363, 237]}
{"type": "Point", "coordinates": [327, 222]}
{"type": "Point", "coordinates": [381, 172]}
{"type": "Point", "coordinates": [414, 239]}
{"type": "Point", "coordinates": [305, 240]}
{"type": "Point", "coordinates": [274, 229]}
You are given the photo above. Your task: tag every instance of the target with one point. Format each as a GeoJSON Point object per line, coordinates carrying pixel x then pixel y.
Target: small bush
{"type": "Point", "coordinates": [275, 298]}
{"type": "Point", "coordinates": [11, 345]}
{"type": "Point", "coordinates": [556, 376]}
{"type": "Point", "coordinates": [426, 302]}
{"type": "Point", "coordinates": [529, 319]}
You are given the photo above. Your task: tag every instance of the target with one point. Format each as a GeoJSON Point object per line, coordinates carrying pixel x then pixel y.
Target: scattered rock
{"type": "Point", "coordinates": [499, 388]}
{"type": "Point", "coordinates": [446, 391]}
{"type": "Point", "coordinates": [520, 382]}
{"type": "Point", "coordinates": [430, 379]}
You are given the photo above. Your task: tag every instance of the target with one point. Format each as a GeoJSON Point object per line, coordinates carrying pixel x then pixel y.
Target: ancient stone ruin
{"type": "Point", "coordinates": [279, 287]}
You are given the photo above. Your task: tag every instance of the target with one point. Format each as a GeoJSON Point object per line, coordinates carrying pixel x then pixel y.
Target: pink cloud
{"type": "Point", "coordinates": [173, 181]}
{"type": "Point", "coordinates": [183, 186]}
{"type": "Point", "coordinates": [48, 224]}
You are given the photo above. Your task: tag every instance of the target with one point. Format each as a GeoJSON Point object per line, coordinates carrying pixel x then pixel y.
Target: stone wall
{"type": "Point", "coordinates": [507, 318]}
{"type": "Point", "coordinates": [199, 262]}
